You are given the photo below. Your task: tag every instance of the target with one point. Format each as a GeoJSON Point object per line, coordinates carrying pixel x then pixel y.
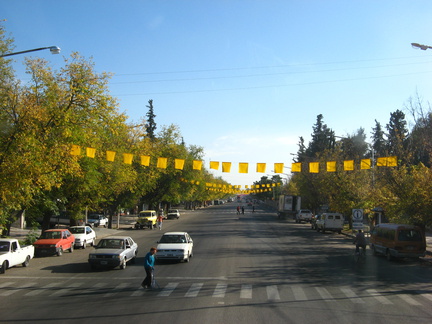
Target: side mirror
{"type": "Point", "coordinates": [128, 246]}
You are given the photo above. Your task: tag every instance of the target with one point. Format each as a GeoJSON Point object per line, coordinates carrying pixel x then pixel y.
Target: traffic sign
{"type": "Point", "coordinates": [357, 215]}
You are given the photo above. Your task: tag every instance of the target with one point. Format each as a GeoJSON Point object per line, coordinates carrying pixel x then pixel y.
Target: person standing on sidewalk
{"type": "Point", "coordinates": [149, 261]}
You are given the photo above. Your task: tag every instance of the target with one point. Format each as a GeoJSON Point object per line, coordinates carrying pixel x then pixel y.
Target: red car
{"type": "Point", "coordinates": [54, 241]}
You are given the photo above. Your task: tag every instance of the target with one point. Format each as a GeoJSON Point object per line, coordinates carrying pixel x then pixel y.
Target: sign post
{"type": "Point", "coordinates": [357, 219]}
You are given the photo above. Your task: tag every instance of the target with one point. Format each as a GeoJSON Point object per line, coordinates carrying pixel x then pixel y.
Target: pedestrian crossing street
{"type": "Point", "coordinates": [219, 291]}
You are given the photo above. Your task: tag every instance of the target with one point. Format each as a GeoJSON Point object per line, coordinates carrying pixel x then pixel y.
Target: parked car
{"type": "Point", "coordinates": [113, 251]}
{"type": "Point", "coordinates": [175, 246]}
{"type": "Point", "coordinates": [83, 235]}
{"type": "Point", "coordinates": [95, 220]}
{"type": "Point", "coordinates": [398, 241]}
{"type": "Point", "coordinates": [173, 213]}
{"type": "Point", "coordinates": [12, 254]}
{"type": "Point", "coordinates": [146, 218]}
{"type": "Point", "coordinates": [330, 222]}
{"type": "Point", "coordinates": [54, 241]}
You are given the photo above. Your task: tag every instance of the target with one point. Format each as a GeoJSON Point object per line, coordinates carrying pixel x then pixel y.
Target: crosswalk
{"type": "Point", "coordinates": [219, 291]}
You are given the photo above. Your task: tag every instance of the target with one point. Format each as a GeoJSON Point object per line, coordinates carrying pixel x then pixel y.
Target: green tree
{"type": "Point", "coordinates": [151, 124]}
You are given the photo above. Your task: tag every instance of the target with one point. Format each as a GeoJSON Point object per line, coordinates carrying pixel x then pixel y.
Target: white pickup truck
{"type": "Point", "coordinates": [12, 254]}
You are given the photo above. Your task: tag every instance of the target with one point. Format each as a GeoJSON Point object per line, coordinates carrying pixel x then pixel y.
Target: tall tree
{"type": "Point", "coordinates": [379, 144]}
{"type": "Point", "coordinates": [397, 136]}
{"type": "Point", "coordinates": [151, 124]}
{"type": "Point", "coordinates": [323, 138]}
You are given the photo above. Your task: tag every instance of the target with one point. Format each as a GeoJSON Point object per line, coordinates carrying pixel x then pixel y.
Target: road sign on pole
{"type": "Point", "coordinates": [357, 215]}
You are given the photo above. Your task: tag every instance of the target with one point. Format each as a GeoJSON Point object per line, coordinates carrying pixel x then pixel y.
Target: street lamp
{"type": "Point", "coordinates": [53, 49]}
{"type": "Point", "coordinates": [421, 46]}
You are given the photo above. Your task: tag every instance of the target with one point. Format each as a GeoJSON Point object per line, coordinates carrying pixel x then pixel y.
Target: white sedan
{"type": "Point", "coordinates": [83, 235]}
{"type": "Point", "coordinates": [175, 246]}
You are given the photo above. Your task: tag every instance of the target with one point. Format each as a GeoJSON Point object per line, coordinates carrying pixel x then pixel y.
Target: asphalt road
{"type": "Point", "coordinates": [251, 268]}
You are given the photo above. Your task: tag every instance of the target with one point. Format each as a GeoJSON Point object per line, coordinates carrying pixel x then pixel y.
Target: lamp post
{"type": "Point", "coordinates": [421, 46]}
{"type": "Point", "coordinates": [53, 50]}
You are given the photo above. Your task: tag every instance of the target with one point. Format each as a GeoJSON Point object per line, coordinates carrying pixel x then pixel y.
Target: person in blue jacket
{"type": "Point", "coordinates": [149, 262]}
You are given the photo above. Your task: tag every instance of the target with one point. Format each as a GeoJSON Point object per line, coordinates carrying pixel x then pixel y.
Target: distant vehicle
{"type": "Point", "coordinates": [398, 241]}
{"type": "Point", "coordinates": [330, 222]}
{"type": "Point", "coordinates": [173, 213]}
{"type": "Point", "coordinates": [177, 246]}
{"type": "Point", "coordinates": [113, 251]}
{"type": "Point", "coordinates": [54, 241]}
{"type": "Point", "coordinates": [146, 218]}
{"type": "Point", "coordinates": [288, 206]}
{"type": "Point", "coordinates": [95, 220]}
{"type": "Point", "coordinates": [304, 215]}
{"type": "Point", "coordinates": [83, 235]}
{"type": "Point", "coordinates": [12, 254]}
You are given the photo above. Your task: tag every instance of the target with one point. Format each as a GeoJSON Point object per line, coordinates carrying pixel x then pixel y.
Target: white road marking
{"type": "Point", "coordinates": [273, 293]}
{"type": "Point", "coordinates": [220, 290]}
{"type": "Point", "coordinates": [324, 294]}
{"type": "Point", "coordinates": [194, 290]}
{"type": "Point", "coordinates": [378, 297]}
{"type": "Point", "coordinates": [168, 289]}
{"type": "Point", "coordinates": [352, 295]}
{"type": "Point", "coordinates": [299, 293]}
{"type": "Point", "coordinates": [246, 291]}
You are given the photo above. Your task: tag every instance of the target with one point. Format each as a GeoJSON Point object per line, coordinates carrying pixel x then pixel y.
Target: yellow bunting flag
{"type": "Point", "coordinates": [214, 165]}
{"type": "Point", "coordinates": [296, 167]}
{"type": "Point", "coordinates": [365, 164]}
{"type": "Point", "coordinates": [197, 165]}
{"type": "Point", "coordinates": [76, 149]}
{"type": "Point", "coordinates": [331, 166]}
{"type": "Point", "coordinates": [243, 167]}
{"type": "Point", "coordinates": [145, 160]}
{"type": "Point", "coordinates": [278, 167]}
{"type": "Point", "coordinates": [127, 158]}
{"type": "Point", "coordinates": [162, 162]}
{"type": "Point", "coordinates": [314, 167]}
{"type": "Point", "coordinates": [90, 152]}
{"type": "Point", "coordinates": [261, 167]}
{"type": "Point", "coordinates": [392, 161]}
{"type": "Point", "coordinates": [348, 165]}
{"type": "Point", "coordinates": [226, 167]}
{"type": "Point", "coordinates": [110, 156]}
{"type": "Point", "coordinates": [179, 164]}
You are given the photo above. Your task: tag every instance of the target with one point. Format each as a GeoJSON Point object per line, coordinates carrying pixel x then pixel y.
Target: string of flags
{"type": "Point", "coordinates": [243, 167]}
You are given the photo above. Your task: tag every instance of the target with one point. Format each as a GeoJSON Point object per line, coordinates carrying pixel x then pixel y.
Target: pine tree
{"type": "Point", "coordinates": [378, 142]}
{"type": "Point", "coordinates": [151, 124]}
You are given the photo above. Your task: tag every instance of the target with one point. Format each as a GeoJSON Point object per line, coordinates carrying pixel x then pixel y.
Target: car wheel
{"type": "Point", "coordinates": [92, 242]}
{"type": "Point", "coordinates": [123, 264]}
{"type": "Point", "coordinates": [4, 267]}
{"type": "Point", "coordinates": [60, 251]}
{"type": "Point", "coordinates": [84, 245]}
{"type": "Point", "coordinates": [27, 261]}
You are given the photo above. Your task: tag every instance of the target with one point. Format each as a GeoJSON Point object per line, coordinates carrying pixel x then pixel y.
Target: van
{"type": "Point", "coordinates": [398, 241]}
{"type": "Point", "coordinates": [330, 222]}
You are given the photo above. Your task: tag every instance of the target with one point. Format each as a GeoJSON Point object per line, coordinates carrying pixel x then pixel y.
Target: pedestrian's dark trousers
{"type": "Point", "coordinates": [147, 280]}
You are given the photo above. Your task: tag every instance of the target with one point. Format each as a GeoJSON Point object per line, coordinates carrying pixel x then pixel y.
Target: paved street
{"type": "Point", "coordinates": [251, 268]}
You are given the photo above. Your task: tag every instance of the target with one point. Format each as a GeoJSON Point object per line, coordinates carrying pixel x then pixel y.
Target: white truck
{"type": "Point", "coordinates": [12, 254]}
{"type": "Point", "coordinates": [330, 222]}
{"type": "Point", "coordinates": [288, 206]}
{"type": "Point", "coordinates": [304, 215]}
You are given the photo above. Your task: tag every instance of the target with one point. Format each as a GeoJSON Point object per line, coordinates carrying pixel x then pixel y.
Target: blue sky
{"type": "Point", "coordinates": [243, 79]}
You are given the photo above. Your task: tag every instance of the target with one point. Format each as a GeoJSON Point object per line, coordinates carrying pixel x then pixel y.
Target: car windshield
{"type": "Point", "coordinates": [51, 235]}
{"type": "Point", "coordinates": [173, 239]}
{"type": "Point", "coordinates": [172, 211]}
{"type": "Point", "coordinates": [94, 217]}
{"type": "Point", "coordinates": [110, 244]}
{"type": "Point", "coordinates": [77, 230]}
{"type": "Point", "coordinates": [4, 246]}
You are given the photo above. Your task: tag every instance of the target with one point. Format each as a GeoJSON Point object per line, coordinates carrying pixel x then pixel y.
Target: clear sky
{"type": "Point", "coordinates": [244, 79]}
